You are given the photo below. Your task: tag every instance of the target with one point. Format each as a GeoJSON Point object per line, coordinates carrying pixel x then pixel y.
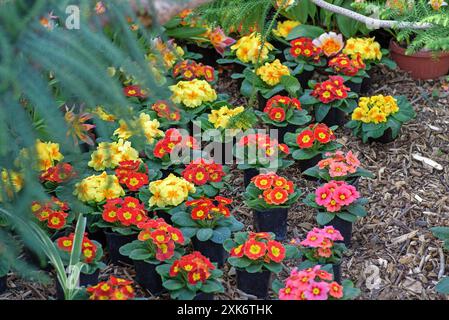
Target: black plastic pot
{"type": "Point", "coordinates": [147, 277]}
{"type": "Point", "coordinates": [114, 242]}
{"type": "Point", "coordinates": [165, 173]}
{"type": "Point", "coordinates": [273, 220]}
{"type": "Point", "coordinates": [214, 251]}
{"type": "Point", "coordinates": [304, 78]}
{"type": "Point", "coordinates": [3, 285]}
{"type": "Point", "coordinates": [226, 156]}
{"type": "Point", "coordinates": [204, 296]}
{"type": "Point", "coordinates": [256, 284]}
{"type": "Point", "coordinates": [85, 281]}
{"type": "Point", "coordinates": [335, 117]}
{"type": "Point", "coordinates": [164, 215]}
{"type": "Point", "coordinates": [336, 268]}
{"type": "Point", "coordinates": [355, 87]}
{"type": "Point", "coordinates": [283, 130]}
{"type": "Point", "coordinates": [387, 137]}
{"type": "Point", "coordinates": [99, 236]}
{"type": "Point", "coordinates": [210, 55]}
{"type": "Point", "coordinates": [345, 228]}
{"type": "Point", "coordinates": [366, 85]}
{"type": "Point", "coordinates": [248, 174]}
{"type": "Point", "coordinates": [309, 163]}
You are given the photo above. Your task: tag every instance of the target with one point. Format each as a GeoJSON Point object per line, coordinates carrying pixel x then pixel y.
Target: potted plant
{"type": "Point", "coordinates": [167, 196]}
{"type": "Point", "coordinates": [258, 151]}
{"type": "Point", "coordinates": [284, 114]}
{"type": "Point", "coordinates": [247, 51]}
{"type": "Point", "coordinates": [91, 256]}
{"type": "Point", "coordinates": [53, 216]}
{"type": "Point", "coordinates": [281, 32]}
{"type": "Point", "coordinates": [169, 115]}
{"type": "Point", "coordinates": [222, 125]}
{"type": "Point", "coordinates": [112, 289]}
{"type": "Point", "coordinates": [309, 144]}
{"type": "Point", "coordinates": [314, 284]}
{"type": "Point", "coordinates": [207, 176]}
{"type": "Point", "coordinates": [268, 80]}
{"type": "Point", "coordinates": [194, 96]}
{"type": "Point", "coordinates": [270, 196]}
{"type": "Point", "coordinates": [339, 166]}
{"type": "Point", "coordinates": [442, 233]}
{"type": "Point", "coordinates": [379, 118]}
{"type": "Point", "coordinates": [256, 256]}
{"type": "Point", "coordinates": [120, 218]}
{"type": "Point", "coordinates": [320, 248]}
{"type": "Point", "coordinates": [174, 141]}
{"type": "Point", "coordinates": [192, 277]}
{"type": "Point", "coordinates": [156, 243]}
{"type": "Point", "coordinates": [422, 47]}
{"type": "Point", "coordinates": [331, 100]}
{"type": "Point", "coordinates": [189, 69]}
{"type": "Point", "coordinates": [208, 225]}
{"type": "Point", "coordinates": [304, 57]}
{"type": "Point", "coordinates": [351, 70]}
{"type": "Point", "coordinates": [339, 204]}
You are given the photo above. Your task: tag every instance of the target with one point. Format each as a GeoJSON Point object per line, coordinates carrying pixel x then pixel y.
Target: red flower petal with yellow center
{"type": "Point", "coordinates": [263, 181]}
{"type": "Point", "coordinates": [275, 251]}
{"type": "Point", "coordinates": [305, 139]}
{"type": "Point", "coordinates": [237, 251]}
{"type": "Point", "coordinates": [254, 249]}
{"type": "Point", "coordinates": [279, 196]}
{"type": "Point", "coordinates": [199, 213]}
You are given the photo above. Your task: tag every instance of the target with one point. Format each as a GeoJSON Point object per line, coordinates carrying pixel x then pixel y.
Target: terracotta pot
{"type": "Point", "coordinates": [421, 65]}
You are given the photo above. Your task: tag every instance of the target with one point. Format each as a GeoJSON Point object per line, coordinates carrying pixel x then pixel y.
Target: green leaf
{"type": "Point", "coordinates": [212, 286]}
{"type": "Point", "coordinates": [183, 219]}
{"type": "Point", "coordinates": [349, 291]}
{"type": "Point", "coordinates": [305, 30]}
{"type": "Point", "coordinates": [220, 235]}
{"type": "Point", "coordinates": [204, 234]}
{"type": "Point", "coordinates": [239, 262]}
{"type": "Point", "coordinates": [273, 267]}
{"type": "Point", "coordinates": [357, 210]}
{"type": "Point", "coordinates": [321, 111]}
{"type": "Point", "coordinates": [172, 284]}
{"type": "Point", "coordinates": [441, 233]}
{"type": "Point", "coordinates": [254, 268]}
{"type": "Point", "coordinates": [140, 254]}
{"type": "Point", "coordinates": [324, 218]}
{"type": "Point", "coordinates": [347, 216]}
{"type": "Point", "coordinates": [443, 286]}
{"type": "Point", "coordinates": [185, 32]}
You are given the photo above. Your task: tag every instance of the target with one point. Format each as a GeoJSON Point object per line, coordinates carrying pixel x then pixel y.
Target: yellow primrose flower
{"type": "Point", "coordinates": [271, 73]}
{"type": "Point", "coordinates": [110, 154]}
{"type": "Point", "coordinates": [11, 182]}
{"type": "Point", "coordinates": [221, 117]}
{"type": "Point", "coordinates": [193, 94]}
{"type": "Point", "coordinates": [169, 52]}
{"type": "Point", "coordinates": [170, 192]}
{"type": "Point", "coordinates": [375, 109]}
{"type": "Point", "coordinates": [47, 154]}
{"type": "Point", "coordinates": [284, 28]}
{"type": "Point", "coordinates": [367, 48]}
{"type": "Point", "coordinates": [144, 124]}
{"type": "Point", "coordinates": [247, 49]}
{"type": "Point", "coordinates": [103, 115]}
{"type": "Point", "coordinates": [98, 188]}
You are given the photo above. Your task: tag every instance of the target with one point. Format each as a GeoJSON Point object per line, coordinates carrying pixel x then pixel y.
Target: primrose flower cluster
{"type": "Point", "coordinates": [271, 73]}
{"type": "Point", "coordinates": [48, 154]}
{"type": "Point", "coordinates": [194, 267]}
{"type": "Point", "coordinates": [278, 106]}
{"type": "Point", "coordinates": [124, 212]}
{"type": "Point", "coordinates": [375, 109]}
{"type": "Point", "coordinates": [172, 139]}
{"type": "Point", "coordinates": [97, 188]}
{"type": "Point", "coordinates": [304, 48]}
{"type": "Point", "coordinates": [164, 110]}
{"type": "Point", "coordinates": [53, 213]}
{"type": "Point", "coordinates": [260, 246]}
{"type": "Point", "coordinates": [220, 118]}
{"type": "Point", "coordinates": [144, 124]}
{"type": "Point", "coordinates": [132, 174]}
{"type": "Point", "coordinates": [347, 66]}
{"type": "Point", "coordinates": [113, 289]}
{"type": "Point", "coordinates": [284, 28]}
{"type": "Point", "coordinates": [367, 48]}
{"type": "Point", "coordinates": [110, 154]}
{"type": "Point", "coordinates": [193, 94]}
{"type": "Point", "coordinates": [339, 164]}
{"type": "Point", "coordinates": [209, 209]}
{"type": "Point", "coordinates": [315, 134]}
{"type": "Point", "coordinates": [321, 241]}
{"type": "Point", "coordinates": [163, 236]}
{"type": "Point", "coordinates": [335, 195]}
{"type": "Point", "coordinates": [201, 171]}
{"type": "Point", "coordinates": [331, 90]}
{"type": "Point", "coordinates": [88, 248]}
{"type": "Point", "coordinates": [170, 192]}
{"type": "Point", "coordinates": [310, 284]}
{"type": "Point", "coordinates": [276, 189]}
{"type": "Point", "coordinates": [189, 70]}
{"type": "Point", "coordinates": [248, 49]}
